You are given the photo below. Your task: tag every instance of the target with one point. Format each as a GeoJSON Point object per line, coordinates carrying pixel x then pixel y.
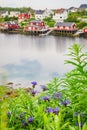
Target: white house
{"type": "Point", "coordinates": [72, 9]}
{"type": "Point", "coordinates": [48, 12]}
{"type": "Point", "coordinates": [4, 13]}
{"type": "Point", "coordinates": [39, 14]}
{"type": "Point", "coordinates": [14, 14]}
{"type": "Point", "coordinates": [60, 15]}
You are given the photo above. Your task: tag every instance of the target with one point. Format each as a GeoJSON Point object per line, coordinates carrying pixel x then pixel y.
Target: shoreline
{"type": "Point", "coordinates": [37, 33]}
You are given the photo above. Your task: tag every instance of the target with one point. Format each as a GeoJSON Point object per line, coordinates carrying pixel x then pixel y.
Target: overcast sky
{"type": "Point", "coordinates": [42, 4]}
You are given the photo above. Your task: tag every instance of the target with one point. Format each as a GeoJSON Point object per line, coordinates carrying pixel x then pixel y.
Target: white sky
{"type": "Point", "coordinates": [42, 4]}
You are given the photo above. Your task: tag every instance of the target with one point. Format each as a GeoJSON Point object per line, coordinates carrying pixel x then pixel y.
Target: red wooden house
{"type": "Point", "coordinates": [35, 25]}
{"type": "Point", "coordinates": [65, 26]}
{"type": "Point", "coordinates": [10, 26]}
{"type": "Point", "coordinates": [23, 16]}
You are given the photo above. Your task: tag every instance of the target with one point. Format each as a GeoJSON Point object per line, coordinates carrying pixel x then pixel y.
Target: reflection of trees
{"type": "Point", "coordinates": [40, 42]}
{"type": "Point", "coordinates": [60, 44]}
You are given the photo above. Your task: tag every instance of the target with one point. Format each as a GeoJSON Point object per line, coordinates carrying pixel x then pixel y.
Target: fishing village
{"type": "Point", "coordinates": [65, 22]}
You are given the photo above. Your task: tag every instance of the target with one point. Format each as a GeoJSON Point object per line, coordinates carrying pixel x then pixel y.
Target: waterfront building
{"type": "Point", "coordinates": [9, 26]}
{"type": "Point", "coordinates": [35, 25]}
{"type": "Point", "coordinates": [65, 27]}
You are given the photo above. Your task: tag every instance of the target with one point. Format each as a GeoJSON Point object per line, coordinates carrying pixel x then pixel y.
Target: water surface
{"type": "Point", "coordinates": [27, 58]}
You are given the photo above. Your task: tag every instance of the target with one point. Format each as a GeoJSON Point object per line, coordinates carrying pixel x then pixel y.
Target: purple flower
{"type": "Point", "coordinates": [44, 88]}
{"type": "Point", "coordinates": [31, 119]}
{"type": "Point", "coordinates": [65, 103]}
{"type": "Point", "coordinates": [57, 95]}
{"type": "Point", "coordinates": [9, 113]}
{"type": "Point", "coordinates": [46, 98]}
{"type": "Point", "coordinates": [49, 110]}
{"type": "Point", "coordinates": [56, 110]}
{"type": "Point", "coordinates": [33, 92]}
{"type": "Point", "coordinates": [52, 110]}
{"type": "Point", "coordinates": [34, 83]}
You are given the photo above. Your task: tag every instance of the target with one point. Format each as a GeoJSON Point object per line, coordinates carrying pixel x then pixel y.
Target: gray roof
{"type": "Point", "coordinates": [39, 12]}
{"type": "Point", "coordinates": [83, 6]}
{"type": "Point", "coordinates": [3, 11]}
{"type": "Point", "coordinates": [64, 24]}
{"type": "Point", "coordinates": [36, 21]}
{"type": "Point", "coordinates": [72, 8]}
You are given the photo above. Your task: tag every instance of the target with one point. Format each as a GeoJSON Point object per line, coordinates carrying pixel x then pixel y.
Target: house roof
{"type": "Point", "coordinates": [39, 11]}
{"type": "Point", "coordinates": [3, 11]}
{"type": "Point", "coordinates": [36, 21]}
{"type": "Point", "coordinates": [59, 10]}
{"type": "Point", "coordinates": [64, 24]}
{"type": "Point", "coordinates": [72, 8]}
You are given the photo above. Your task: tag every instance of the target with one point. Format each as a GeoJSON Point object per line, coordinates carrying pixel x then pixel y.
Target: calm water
{"type": "Point", "coordinates": [26, 58]}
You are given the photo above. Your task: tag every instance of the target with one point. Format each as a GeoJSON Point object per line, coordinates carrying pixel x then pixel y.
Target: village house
{"type": "Point", "coordinates": [14, 14]}
{"type": "Point", "coordinates": [83, 7]}
{"type": "Point", "coordinates": [10, 26]}
{"type": "Point", "coordinates": [48, 12]}
{"type": "Point", "coordinates": [72, 9]}
{"type": "Point", "coordinates": [4, 13]}
{"type": "Point", "coordinates": [65, 27]}
{"type": "Point", "coordinates": [39, 14]}
{"type": "Point", "coordinates": [35, 25]}
{"type": "Point", "coordinates": [60, 15]}
{"type": "Point", "coordinates": [23, 16]}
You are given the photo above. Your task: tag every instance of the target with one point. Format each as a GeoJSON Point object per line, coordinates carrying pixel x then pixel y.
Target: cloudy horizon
{"type": "Point", "coordinates": [39, 4]}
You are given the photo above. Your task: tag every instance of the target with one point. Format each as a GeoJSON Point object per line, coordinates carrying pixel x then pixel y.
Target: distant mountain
{"type": "Point", "coordinates": [83, 6]}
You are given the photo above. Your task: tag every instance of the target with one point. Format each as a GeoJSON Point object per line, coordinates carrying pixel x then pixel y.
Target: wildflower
{"type": "Point", "coordinates": [57, 95]}
{"type": "Point", "coordinates": [49, 110]}
{"type": "Point", "coordinates": [30, 119]}
{"type": "Point", "coordinates": [44, 88]}
{"type": "Point", "coordinates": [33, 92]}
{"type": "Point", "coordinates": [34, 83]}
{"type": "Point", "coordinates": [46, 98]}
{"type": "Point", "coordinates": [65, 103]}
{"type": "Point", "coordinates": [9, 113]}
{"type": "Point", "coordinates": [56, 110]}
{"type": "Point", "coordinates": [52, 110]}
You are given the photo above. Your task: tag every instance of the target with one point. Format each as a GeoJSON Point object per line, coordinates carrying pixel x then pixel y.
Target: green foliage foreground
{"type": "Point", "coordinates": [61, 106]}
